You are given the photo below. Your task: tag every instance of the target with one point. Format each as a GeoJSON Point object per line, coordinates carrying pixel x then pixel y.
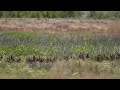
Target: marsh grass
{"type": "Point", "coordinates": [87, 50]}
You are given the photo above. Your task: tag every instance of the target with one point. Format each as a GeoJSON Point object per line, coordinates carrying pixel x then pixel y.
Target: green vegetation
{"type": "Point", "coordinates": [74, 55]}
{"type": "Point", "coordinates": [53, 45]}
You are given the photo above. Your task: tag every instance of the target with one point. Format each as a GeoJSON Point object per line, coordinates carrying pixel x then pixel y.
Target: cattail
{"type": "Point", "coordinates": [112, 57]}
{"type": "Point", "coordinates": [87, 56]}
{"type": "Point", "coordinates": [99, 58]}
{"type": "Point", "coordinates": [19, 59]}
{"type": "Point", "coordinates": [47, 60]}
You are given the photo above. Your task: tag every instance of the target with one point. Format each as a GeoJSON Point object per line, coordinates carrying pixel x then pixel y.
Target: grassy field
{"type": "Point", "coordinates": [78, 53]}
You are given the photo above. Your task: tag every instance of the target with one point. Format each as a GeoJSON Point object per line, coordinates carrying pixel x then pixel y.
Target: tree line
{"type": "Point", "coordinates": [39, 14]}
{"type": "Point", "coordinates": [61, 14]}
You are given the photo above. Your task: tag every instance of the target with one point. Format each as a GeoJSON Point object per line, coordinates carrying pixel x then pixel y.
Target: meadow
{"type": "Point", "coordinates": [59, 49]}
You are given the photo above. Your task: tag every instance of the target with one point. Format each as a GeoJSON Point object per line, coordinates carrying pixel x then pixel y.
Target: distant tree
{"type": "Point", "coordinates": [6, 14]}
{"type": "Point", "coordinates": [78, 14]}
{"type": "Point", "coordinates": [96, 15]}
{"type": "Point", "coordinates": [1, 14]}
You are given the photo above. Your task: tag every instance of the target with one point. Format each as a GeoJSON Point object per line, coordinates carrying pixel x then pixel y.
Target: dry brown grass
{"type": "Point", "coordinates": [84, 70]}
{"type": "Point", "coordinates": [59, 25]}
